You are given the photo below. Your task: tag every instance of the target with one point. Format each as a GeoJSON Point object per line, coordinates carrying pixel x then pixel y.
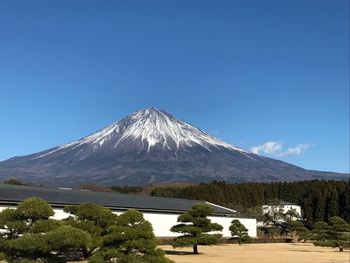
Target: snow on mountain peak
{"type": "Point", "coordinates": [155, 126]}
{"type": "Point", "coordinates": [150, 127]}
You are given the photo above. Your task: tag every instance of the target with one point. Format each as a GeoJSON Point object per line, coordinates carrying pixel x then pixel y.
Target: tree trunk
{"type": "Point", "coordinates": [86, 253]}
{"type": "Point", "coordinates": [341, 249]}
{"type": "Point", "coordinates": [195, 249]}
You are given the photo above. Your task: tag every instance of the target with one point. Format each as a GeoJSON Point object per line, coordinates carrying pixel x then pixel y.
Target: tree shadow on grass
{"type": "Point", "coordinates": [174, 252]}
{"type": "Point", "coordinates": [302, 250]}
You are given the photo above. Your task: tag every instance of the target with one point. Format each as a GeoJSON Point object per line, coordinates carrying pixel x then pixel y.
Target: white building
{"type": "Point", "coordinates": [161, 212]}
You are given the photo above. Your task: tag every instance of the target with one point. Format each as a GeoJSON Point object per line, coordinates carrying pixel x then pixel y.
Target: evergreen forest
{"type": "Point", "coordinates": [319, 199]}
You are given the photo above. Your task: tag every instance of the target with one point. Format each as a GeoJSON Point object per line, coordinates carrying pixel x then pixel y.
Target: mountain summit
{"type": "Point", "coordinates": [146, 131]}
{"type": "Point", "coordinates": [150, 146]}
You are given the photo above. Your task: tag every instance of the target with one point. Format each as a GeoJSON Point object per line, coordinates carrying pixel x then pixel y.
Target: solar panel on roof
{"type": "Point", "coordinates": [112, 200]}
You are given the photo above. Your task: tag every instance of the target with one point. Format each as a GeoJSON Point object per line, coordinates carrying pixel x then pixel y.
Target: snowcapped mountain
{"type": "Point", "coordinates": [150, 146]}
{"type": "Point", "coordinates": [147, 130]}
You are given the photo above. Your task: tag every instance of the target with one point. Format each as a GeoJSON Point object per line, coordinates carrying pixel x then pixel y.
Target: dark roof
{"type": "Point", "coordinates": [11, 194]}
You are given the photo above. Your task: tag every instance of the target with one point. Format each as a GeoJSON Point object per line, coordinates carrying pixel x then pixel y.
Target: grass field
{"type": "Point", "coordinates": [260, 253]}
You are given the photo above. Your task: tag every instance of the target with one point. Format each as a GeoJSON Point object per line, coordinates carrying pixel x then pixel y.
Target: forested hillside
{"type": "Point", "coordinates": [319, 200]}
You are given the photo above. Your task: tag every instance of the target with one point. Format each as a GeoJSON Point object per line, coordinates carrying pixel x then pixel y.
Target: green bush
{"type": "Point", "coordinates": [66, 238]}
{"type": "Point", "coordinates": [43, 226]}
{"type": "Point", "coordinates": [86, 226]}
{"type": "Point", "coordinates": [105, 255]}
{"type": "Point", "coordinates": [93, 219]}
{"type": "Point", "coordinates": [131, 239]}
{"type": "Point", "coordinates": [98, 215]}
{"type": "Point", "coordinates": [27, 234]}
{"type": "Point", "coordinates": [28, 245]}
{"type": "Point", "coordinates": [3, 256]}
{"type": "Point", "coordinates": [33, 209]}
{"type": "Point", "coordinates": [11, 225]}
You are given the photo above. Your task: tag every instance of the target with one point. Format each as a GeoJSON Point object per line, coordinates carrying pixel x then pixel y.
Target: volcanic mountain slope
{"type": "Point", "coordinates": [150, 146]}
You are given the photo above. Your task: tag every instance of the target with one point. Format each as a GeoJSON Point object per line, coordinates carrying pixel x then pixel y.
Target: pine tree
{"type": "Point", "coordinates": [27, 234]}
{"type": "Point", "coordinates": [131, 239]}
{"type": "Point", "coordinates": [332, 203]}
{"type": "Point", "coordinates": [195, 227]}
{"type": "Point", "coordinates": [93, 219]}
{"type": "Point", "coordinates": [296, 227]}
{"type": "Point", "coordinates": [239, 231]}
{"type": "Point", "coordinates": [307, 208]}
{"type": "Point", "coordinates": [336, 234]}
{"type": "Point", "coordinates": [344, 204]}
{"type": "Point", "coordinates": [96, 214]}
{"type": "Point", "coordinates": [319, 205]}
{"type": "Point", "coordinates": [273, 218]}
{"type": "Point", "coordinates": [11, 226]}
{"type": "Point", "coordinates": [33, 209]}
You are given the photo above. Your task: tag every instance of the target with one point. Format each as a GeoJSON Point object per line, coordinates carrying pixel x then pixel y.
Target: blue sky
{"type": "Point", "coordinates": [270, 76]}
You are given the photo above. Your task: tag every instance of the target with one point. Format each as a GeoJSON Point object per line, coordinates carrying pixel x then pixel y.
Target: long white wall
{"type": "Point", "coordinates": [163, 222]}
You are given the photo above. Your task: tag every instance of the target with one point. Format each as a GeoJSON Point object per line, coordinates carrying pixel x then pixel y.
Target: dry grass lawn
{"type": "Point", "coordinates": [260, 253]}
{"type": "Point", "coordinates": [257, 253]}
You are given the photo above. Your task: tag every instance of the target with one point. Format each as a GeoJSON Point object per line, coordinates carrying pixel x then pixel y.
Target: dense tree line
{"type": "Point", "coordinates": [320, 200]}
{"type": "Point", "coordinates": [127, 189]}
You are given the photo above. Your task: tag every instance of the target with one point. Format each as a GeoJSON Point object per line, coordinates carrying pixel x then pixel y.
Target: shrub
{"type": "Point", "coordinates": [33, 209]}
{"type": "Point", "coordinates": [43, 226]}
{"type": "Point", "coordinates": [131, 239]}
{"type": "Point", "coordinates": [98, 215]}
{"type": "Point", "coordinates": [27, 234]}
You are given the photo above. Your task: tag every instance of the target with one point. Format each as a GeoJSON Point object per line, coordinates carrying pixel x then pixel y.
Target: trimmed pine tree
{"type": "Point", "coordinates": [239, 231]}
{"type": "Point", "coordinates": [335, 234]}
{"type": "Point", "coordinates": [195, 227]}
{"type": "Point", "coordinates": [131, 239]}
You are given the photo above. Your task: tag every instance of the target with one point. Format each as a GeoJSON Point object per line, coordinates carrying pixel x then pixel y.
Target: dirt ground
{"type": "Point", "coordinates": [257, 253]}
{"type": "Point", "coordinates": [261, 253]}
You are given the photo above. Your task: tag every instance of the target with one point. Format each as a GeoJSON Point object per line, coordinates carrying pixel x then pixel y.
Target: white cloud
{"type": "Point", "coordinates": [297, 150]}
{"type": "Point", "coordinates": [276, 149]}
{"type": "Point", "coordinates": [269, 147]}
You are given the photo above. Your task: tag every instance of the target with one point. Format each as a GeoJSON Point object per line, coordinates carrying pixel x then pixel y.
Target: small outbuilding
{"type": "Point", "coordinates": [161, 212]}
